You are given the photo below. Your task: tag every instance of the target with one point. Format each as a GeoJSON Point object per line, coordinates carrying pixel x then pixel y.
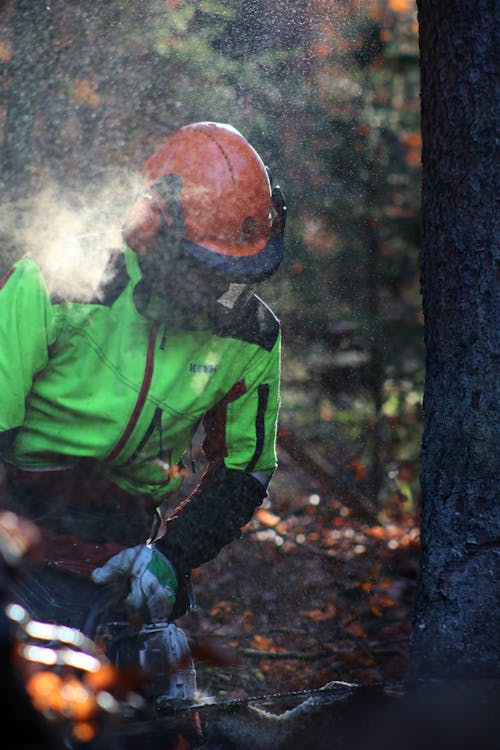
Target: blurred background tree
{"type": "Point", "coordinates": [327, 92]}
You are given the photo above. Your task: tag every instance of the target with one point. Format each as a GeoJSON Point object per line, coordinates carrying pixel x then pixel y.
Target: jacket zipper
{"type": "Point", "coordinates": [146, 382]}
{"type": "Point", "coordinates": [154, 424]}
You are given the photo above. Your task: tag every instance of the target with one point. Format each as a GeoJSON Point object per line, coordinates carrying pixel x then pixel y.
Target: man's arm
{"type": "Point", "coordinates": [211, 517]}
{"type": "Point", "coordinates": [26, 331]}
{"type": "Point", "coordinates": [240, 444]}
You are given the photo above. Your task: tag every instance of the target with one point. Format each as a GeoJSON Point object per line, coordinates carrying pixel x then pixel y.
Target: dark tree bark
{"type": "Point", "coordinates": [457, 619]}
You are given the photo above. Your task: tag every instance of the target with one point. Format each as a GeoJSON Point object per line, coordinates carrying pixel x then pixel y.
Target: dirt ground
{"type": "Point", "coordinates": [308, 595]}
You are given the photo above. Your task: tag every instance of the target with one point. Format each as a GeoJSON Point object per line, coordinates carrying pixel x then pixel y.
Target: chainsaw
{"type": "Point", "coordinates": [84, 680]}
{"type": "Point", "coordinates": [157, 654]}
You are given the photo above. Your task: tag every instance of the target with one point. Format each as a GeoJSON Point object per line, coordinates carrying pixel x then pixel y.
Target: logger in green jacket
{"type": "Point", "coordinates": [100, 400]}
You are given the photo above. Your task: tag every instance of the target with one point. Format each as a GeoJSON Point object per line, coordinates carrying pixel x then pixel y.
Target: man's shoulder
{"type": "Point", "coordinates": [24, 271]}
{"type": "Point", "coordinates": [114, 280]}
{"type": "Point", "coordinates": [250, 320]}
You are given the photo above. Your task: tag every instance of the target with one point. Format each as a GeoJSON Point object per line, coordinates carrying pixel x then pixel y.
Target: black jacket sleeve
{"type": "Point", "coordinates": [211, 517]}
{"type": "Point", "coordinates": [7, 438]}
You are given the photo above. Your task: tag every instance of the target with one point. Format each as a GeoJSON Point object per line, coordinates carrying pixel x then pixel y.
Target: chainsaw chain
{"type": "Point", "coordinates": [167, 708]}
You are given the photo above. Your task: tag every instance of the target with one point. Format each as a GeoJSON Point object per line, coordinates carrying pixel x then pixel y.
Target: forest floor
{"type": "Point", "coordinates": [310, 596]}
{"type": "Point", "coordinates": [307, 596]}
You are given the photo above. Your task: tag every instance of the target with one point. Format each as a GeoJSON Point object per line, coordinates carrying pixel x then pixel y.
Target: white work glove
{"type": "Point", "coordinates": [153, 582]}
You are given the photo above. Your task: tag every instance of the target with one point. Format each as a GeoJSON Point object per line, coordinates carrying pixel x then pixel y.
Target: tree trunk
{"type": "Point", "coordinates": [457, 625]}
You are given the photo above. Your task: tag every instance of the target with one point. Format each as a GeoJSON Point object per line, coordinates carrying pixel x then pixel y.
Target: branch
{"type": "Point", "coordinates": [331, 480]}
{"type": "Point", "coordinates": [255, 653]}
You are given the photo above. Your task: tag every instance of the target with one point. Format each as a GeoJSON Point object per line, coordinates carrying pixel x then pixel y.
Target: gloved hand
{"type": "Point", "coordinates": [153, 583]}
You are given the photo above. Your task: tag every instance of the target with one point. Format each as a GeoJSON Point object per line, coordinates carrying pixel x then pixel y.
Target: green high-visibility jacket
{"type": "Point", "coordinates": [101, 381]}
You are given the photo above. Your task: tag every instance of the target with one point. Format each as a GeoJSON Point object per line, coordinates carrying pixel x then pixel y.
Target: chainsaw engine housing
{"type": "Point", "coordinates": [160, 651]}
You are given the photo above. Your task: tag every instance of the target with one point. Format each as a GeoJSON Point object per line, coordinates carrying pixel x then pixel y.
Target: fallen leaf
{"type": "Point", "coordinates": [320, 615]}
{"type": "Point", "coordinates": [355, 629]}
{"type": "Point", "coordinates": [266, 517]}
{"type": "Point", "coordinates": [262, 643]}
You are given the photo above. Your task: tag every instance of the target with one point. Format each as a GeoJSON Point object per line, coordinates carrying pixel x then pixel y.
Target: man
{"type": "Point", "coordinates": [100, 400]}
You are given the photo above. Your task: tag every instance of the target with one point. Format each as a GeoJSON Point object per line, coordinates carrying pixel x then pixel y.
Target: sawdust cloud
{"type": "Point", "coordinates": [71, 235]}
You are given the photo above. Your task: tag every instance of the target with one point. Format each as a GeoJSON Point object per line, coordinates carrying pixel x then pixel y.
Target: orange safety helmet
{"type": "Point", "coordinates": [208, 181]}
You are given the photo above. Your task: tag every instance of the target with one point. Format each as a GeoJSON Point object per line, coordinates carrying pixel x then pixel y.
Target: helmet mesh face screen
{"type": "Point", "coordinates": [174, 287]}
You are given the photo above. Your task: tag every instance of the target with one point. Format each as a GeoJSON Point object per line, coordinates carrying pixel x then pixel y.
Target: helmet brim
{"type": "Point", "coordinates": [249, 268]}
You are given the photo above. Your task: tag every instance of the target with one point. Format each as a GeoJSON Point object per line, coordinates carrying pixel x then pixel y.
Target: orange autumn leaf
{"type": "Point", "coordinates": [297, 268]}
{"type": "Point", "coordinates": [262, 643]}
{"type": "Point", "coordinates": [359, 470]}
{"type": "Point", "coordinates": [321, 49]}
{"type": "Point", "coordinates": [413, 140]}
{"type": "Point", "coordinates": [354, 658]}
{"type": "Point", "coordinates": [266, 517]}
{"type": "Point", "coordinates": [379, 601]}
{"type": "Point", "coordinates": [355, 629]}
{"type": "Point", "coordinates": [413, 158]}
{"type": "Point", "coordinates": [5, 53]}
{"type": "Point", "coordinates": [338, 521]}
{"type": "Point", "coordinates": [314, 614]}
{"type": "Point", "coordinates": [376, 532]}
{"type": "Point", "coordinates": [84, 93]}
{"type": "Point", "coordinates": [401, 6]}
{"type": "Point", "coordinates": [222, 608]}
{"type": "Point", "coordinates": [384, 600]}
{"type": "Point", "coordinates": [320, 615]}
{"type": "Point", "coordinates": [385, 583]}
